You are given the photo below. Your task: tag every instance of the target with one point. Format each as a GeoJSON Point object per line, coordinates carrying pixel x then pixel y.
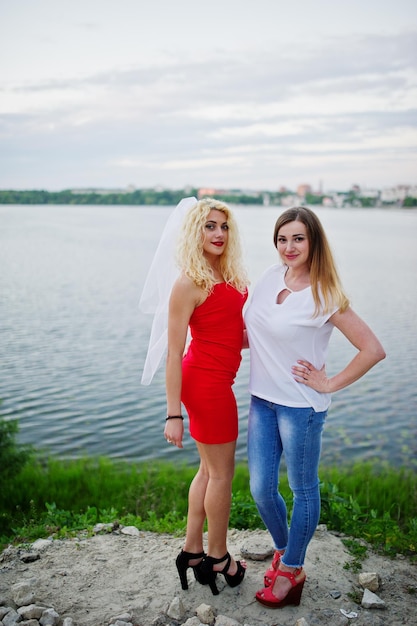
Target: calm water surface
{"type": "Point", "coordinates": [73, 341]}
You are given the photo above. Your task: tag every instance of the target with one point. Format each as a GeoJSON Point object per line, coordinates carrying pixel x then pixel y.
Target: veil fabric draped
{"type": "Point", "coordinates": [162, 274]}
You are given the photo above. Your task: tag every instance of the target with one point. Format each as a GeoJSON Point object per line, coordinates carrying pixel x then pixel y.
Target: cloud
{"type": "Point", "coordinates": [219, 116]}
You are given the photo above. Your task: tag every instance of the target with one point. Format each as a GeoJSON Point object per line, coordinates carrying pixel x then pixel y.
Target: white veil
{"type": "Point", "coordinates": [162, 274]}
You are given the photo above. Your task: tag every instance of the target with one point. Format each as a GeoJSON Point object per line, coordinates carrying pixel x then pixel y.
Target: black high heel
{"type": "Point", "coordinates": [210, 575]}
{"type": "Point", "coordinates": [183, 563]}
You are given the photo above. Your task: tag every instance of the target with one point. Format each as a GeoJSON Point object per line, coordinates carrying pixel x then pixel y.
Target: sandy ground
{"type": "Point", "coordinates": [95, 579]}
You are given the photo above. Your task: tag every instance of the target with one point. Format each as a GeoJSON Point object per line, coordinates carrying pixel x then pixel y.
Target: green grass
{"type": "Point", "coordinates": [46, 496]}
{"type": "Point", "coordinates": [51, 496]}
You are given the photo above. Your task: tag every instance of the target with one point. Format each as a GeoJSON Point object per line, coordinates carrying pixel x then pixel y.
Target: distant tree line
{"type": "Point", "coordinates": [137, 197]}
{"type": "Point", "coordinates": [169, 197]}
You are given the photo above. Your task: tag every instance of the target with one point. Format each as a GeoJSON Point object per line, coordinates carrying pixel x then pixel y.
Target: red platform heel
{"type": "Point", "coordinates": [271, 571]}
{"type": "Point", "coordinates": [293, 597]}
{"type": "Point", "coordinates": [183, 563]}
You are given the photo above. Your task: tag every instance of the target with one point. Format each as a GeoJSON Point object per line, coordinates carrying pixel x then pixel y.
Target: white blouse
{"type": "Point", "coordinates": [279, 335]}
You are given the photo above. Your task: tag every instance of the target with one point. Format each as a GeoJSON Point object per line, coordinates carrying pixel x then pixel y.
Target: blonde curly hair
{"type": "Point", "coordinates": [190, 257]}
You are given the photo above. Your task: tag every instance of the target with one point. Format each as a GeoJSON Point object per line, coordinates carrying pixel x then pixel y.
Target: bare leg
{"type": "Point", "coordinates": [219, 461]}
{"type": "Point", "coordinates": [196, 512]}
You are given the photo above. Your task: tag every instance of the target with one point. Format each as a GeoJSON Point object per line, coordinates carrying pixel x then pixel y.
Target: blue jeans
{"type": "Point", "coordinates": [273, 430]}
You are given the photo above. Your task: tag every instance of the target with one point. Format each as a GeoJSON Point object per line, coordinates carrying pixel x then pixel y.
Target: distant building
{"type": "Point", "coordinates": [303, 190]}
{"type": "Point", "coordinates": [369, 193]}
{"type": "Point", "coordinates": [395, 195]}
{"type": "Point", "coordinates": [289, 201]}
{"type": "Point", "coordinates": [205, 192]}
{"type": "Point", "coordinates": [208, 192]}
{"type": "Point", "coordinates": [328, 201]}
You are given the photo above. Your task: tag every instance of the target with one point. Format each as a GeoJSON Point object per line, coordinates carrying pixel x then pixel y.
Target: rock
{"type": "Point", "coordinates": [49, 618]}
{"type": "Point", "coordinates": [372, 601]}
{"type": "Point", "coordinates": [176, 609]}
{"type": "Point", "coordinates": [256, 550]}
{"type": "Point", "coordinates": [68, 621]}
{"type": "Point", "coordinates": [205, 614]}
{"type": "Point", "coordinates": [4, 610]}
{"type": "Point", "coordinates": [29, 557]}
{"type": "Point", "coordinates": [335, 594]}
{"type": "Point", "coordinates": [369, 580]}
{"type": "Point", "coordinates": [41, 544]}
{"type": "Point", "coordinates": [192, 621]}
{"type": "Point", "coordinates": [22, 594]}
{"type": "Point", "coordinates": [130, 530]}
{"type": "Point", "coordinates": [11, 618]}
{"type": "Point", "coordinates": [7, 554]}
{"type": "Point", "coordinates": [103, 528]}
{"type": "Point", "coordinates": [32, 611]}
{"type": "Point", "coordinates": [301, 622]}
{"type": "Point", "coordinates": [321, 528]}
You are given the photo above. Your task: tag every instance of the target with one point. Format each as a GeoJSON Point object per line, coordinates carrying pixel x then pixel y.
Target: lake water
{"type": "Point", "coordinates": [73, 341]}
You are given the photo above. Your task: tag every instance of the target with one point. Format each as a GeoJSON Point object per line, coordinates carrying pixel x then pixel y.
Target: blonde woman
{"type": "Point", "coordinates": [207, 298]}
{"type": "Point", "coordinates": [293, 311]}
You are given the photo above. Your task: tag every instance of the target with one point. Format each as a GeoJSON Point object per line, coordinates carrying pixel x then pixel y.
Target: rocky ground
{"type": "Point", "coordinates": [93, 580]}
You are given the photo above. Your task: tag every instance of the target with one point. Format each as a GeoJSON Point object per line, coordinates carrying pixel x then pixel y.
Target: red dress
{"type": "Point", "coordinates": [211, 363]}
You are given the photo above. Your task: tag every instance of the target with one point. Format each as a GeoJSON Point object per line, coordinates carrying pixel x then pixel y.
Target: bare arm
{"type": "Point", "coordinates": [184, 298]}
{"type": "Point", "coordinates": [245, 343]}
{"type": "Point", "coordinates": [370, 352]}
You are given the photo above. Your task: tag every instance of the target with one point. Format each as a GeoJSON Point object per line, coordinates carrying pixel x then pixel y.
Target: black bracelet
{"type": "Point", "coordinates": [174, 417]}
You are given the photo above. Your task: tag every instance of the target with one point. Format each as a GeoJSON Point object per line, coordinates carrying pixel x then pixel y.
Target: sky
{"type": "Point", "coordinates": [243, 94]}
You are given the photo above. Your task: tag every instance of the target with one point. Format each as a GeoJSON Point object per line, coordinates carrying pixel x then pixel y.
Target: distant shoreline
{"type": "Point", "coordinates": [404, 197]}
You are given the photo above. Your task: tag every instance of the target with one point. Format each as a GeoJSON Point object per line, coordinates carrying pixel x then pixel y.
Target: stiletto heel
{"type": "Point", "coordinates": [269, 574]}
{"type": "Point", "coordinates": [183, 563]}
{"type": "Point", "coordinates": [210, 574]}
{"type": "Point", "coordinates": [210, 577]}
{"type": "Point", "coordinates": [293, 597]}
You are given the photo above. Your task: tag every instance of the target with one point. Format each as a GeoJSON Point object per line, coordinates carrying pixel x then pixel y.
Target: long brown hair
{"type": "Point", "coordinates": [326, 286]}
